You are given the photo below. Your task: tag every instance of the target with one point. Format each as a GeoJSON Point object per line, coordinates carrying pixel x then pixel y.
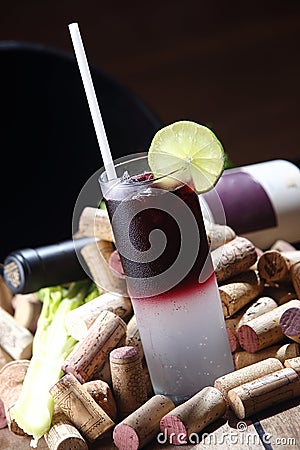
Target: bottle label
{"type": "Point", "coordinates": [247, 205]}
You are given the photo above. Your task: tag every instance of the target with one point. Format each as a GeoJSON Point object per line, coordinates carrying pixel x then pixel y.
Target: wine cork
{"type": "Point", "coordinates": [147, 379]}
{"type": "Point", "coordinates": [103, 396]}
{"type": "Point", "coordinates": [232, 337]}
{"type": "Point", "coordinates": [18, 299]}
{"type": "Point", "coordinates": [14, 339]}
{"type": "Point", "coordinates": [127, 379]}
{"type": "Point", "coordinates": [80, 319]}
{"type": "Point", "coordinates": [4, 358]}
{"type": "Point", "coordinates": [193, 415]}
{"type": "Point", "coordinates": [258, 253]}
{"type": "Point", "coordinates": [246, 374]}
{"type": "Point", "coordinates": [257, 308]}
{"type": "Point", "coordinates": [231, 328]}
{"type": "Point", "coordinates": [264, 392]}
{"type": "Point", "coordinates": [142, 426]}
{"type": "Point", "coordinates": [94, 222]}
{"type": "Point", "coordinates": [115, 264]}
{"type": "Point", "coordinates": [282, 246]}
{"type": "Point", "coordinates": [103, 373]}
{"type": "Point", "coordinates": [218, 235]}
{"type": "Point", "coordinates": [63, 435]}
{"type": "Point", "coordinates": [78, 405]}
{"type": "Point", "coordinates": [282, 352]}
{"type": "Point", "coordinates": [27, 310]}
{"type": "Point", "coordinates": [295, 276]}
{"type": "Point", "coordinates": [5, 296]}
{"type": "Point", "coordinates": [233, 258]}
{"type": "Point", "coordinates": [90, 353]}
{"type": "Point", "coordinates": [290, 323]}
{"type": "Point", "coordinates": [265, 330]}
{"type": "Point", "coordinates": [239, 291]}
{"type": "Point", "coordinates": [294, 363]}
{"type": "Point", "coordinates": [11, 381]}
{"type": "Point", "coordinates": [254, 309]}
{"type": "Point", "coordinates": [274, 266]}
{"type": "Point", "coordinates": [3, 420]}
{"type": "Point", "coordinates": [96, 256]}
{"type": "Point", "coordinates": [133, 337]}
{"type": "Point", "coordinates": [280, 293]}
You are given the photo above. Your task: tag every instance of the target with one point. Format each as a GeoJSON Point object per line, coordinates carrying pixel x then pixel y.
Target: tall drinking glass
{"type": "Point", "coordinates": [160, 235]}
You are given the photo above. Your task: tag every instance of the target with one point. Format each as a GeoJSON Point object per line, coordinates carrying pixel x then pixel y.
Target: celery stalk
{"type": "Point", "coordinates": [51, 345]}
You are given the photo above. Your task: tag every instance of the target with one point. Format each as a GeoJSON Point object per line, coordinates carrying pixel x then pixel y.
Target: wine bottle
{"type": "Point", "coordinates": [259, 201]}
{"type": "Point", "coordinates": [27, 270]}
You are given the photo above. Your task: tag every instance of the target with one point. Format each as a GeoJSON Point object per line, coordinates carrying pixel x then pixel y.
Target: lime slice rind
{"type": "Point", "coordinates": [188, 143]}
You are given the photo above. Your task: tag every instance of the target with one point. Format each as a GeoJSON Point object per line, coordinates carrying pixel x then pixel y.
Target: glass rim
{"type": "Point", "coordinates": [136, 157]}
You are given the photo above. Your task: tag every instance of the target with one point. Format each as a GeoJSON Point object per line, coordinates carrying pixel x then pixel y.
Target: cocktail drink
{"type": "Point", "coordinates": [160, 235]}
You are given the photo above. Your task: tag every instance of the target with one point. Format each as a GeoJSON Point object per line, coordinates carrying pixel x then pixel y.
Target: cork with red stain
{"type": "Point", "coordinates": [265, 330]}
{"type": "Point", "coordinates": [116, 265]}
{"type": "Point", "coordinates": [142, 426]}
{"type": "Point", "coordinates": [193, 415]}
{"type": "Point", "coordinates": [290, 323]}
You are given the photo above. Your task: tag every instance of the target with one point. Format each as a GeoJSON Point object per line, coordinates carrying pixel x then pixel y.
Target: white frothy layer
{"type": "Point", "coordinates": [184, 339]}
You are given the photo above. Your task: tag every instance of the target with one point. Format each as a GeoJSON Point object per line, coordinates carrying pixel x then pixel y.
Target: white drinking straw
{"type": "Point", "coordinates": [92, 101]}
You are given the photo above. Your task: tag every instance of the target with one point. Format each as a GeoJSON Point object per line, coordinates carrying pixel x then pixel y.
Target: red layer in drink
{"type": "Point", "coordinates": [157, 261]}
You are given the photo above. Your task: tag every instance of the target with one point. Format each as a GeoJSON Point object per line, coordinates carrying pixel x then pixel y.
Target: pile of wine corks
{"type": "Point", "coordinates": [246, 391]}
{"type": "Point", "coordinates": [106, 390]}
{"type": "Point", "coordinates": [261, 385]}
{"type": "Point", "coordinates": [259, 292]}
{"type": "Point", "coordinates": [261, 304]}
{"type": "Point", "coordinates": [108, 352]}
{"type": "Point", "coordinates": [18, 319]}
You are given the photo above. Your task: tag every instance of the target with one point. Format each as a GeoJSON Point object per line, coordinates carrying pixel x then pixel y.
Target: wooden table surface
{"type": "Point", "coordinates": [273, 429]}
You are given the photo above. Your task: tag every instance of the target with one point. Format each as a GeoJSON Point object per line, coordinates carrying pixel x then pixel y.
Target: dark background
{"type": "Point", "coordinates": [233, 66]}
